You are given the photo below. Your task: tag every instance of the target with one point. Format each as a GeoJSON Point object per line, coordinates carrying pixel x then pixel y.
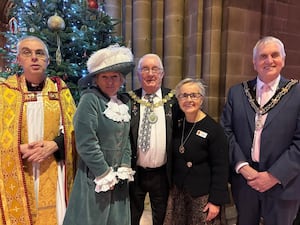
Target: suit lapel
{"type": "Point", "coordinates": [167, 105]}
{"type": "Point", "coordinates": [249, 110]}
{"type": "Point", "coordinates": [135, 116]}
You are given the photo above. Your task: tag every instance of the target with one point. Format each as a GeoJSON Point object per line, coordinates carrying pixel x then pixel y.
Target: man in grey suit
{"type": "Point", "coordinates": [265, 140]}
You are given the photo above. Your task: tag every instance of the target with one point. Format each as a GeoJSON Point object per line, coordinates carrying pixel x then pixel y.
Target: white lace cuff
{"type": "Point", "coordinates": [105, 183]}
{"type": "Point", "coordinates": [124, 173]}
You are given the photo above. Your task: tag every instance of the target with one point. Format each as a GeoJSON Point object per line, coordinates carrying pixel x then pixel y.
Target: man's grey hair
{"type": "Point", "coordinates": [27, 38]}
{"type": "Point", "coordinates": [266, 40]}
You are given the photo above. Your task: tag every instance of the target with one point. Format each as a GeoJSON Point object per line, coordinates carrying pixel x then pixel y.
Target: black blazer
{"type": "Point", "coordinates": [171, 113]}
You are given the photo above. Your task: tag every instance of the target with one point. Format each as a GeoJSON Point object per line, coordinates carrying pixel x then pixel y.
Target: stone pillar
{"type": "Point", "coordinates": [114, 9]}
{"type": "Point", "coordinates": [193, 32]}
{"type": "Point", "coordinates": [141, 31]}
{"type": "Point", "coordinates": [211, 54]}
{"type": "Point", "coordinates": [157, 28]}
{"type": "Point", "coordinates": [127, 22]}
{"type": "Point", "coordinates": [173, 39]}
{"type": "Point", "coordinates": [122, 11]}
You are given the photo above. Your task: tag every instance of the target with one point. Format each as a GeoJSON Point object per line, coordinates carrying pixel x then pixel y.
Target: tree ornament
{"type": "Point", "coordinates": [93, 4]}
{"type": "Point", "coordinates": [58, 56]}
{"type": "Point", "coordinates": [13, 25]}
{"type": "Point", "coordinates": [84, 28]}
{"type": "Point", "coordinates": [56, 23]}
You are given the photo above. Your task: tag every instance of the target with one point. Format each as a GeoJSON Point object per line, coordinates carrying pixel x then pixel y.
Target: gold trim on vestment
{"type": "Point", "coordinates": [32, 96]}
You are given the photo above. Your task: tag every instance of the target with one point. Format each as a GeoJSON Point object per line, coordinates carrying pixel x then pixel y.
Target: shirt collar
{"type": "Point", "coordinates": [158, 93]}
{"type": "Point", "coordinates": [272, 85]}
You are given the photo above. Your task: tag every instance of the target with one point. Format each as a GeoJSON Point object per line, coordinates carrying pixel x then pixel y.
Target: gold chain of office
{"type": "Point", "coordinates": [164, 100]}
{"type": "Point", "coordinates": [273, 101]}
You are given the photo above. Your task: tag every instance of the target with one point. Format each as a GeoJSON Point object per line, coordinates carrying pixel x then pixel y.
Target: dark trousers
{"type": "Point", "coordinates": [154, 182]}
{"type": "Point", "coordinates": [252, 206]}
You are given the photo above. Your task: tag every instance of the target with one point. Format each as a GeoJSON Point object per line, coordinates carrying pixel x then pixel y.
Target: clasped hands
{"type": "Point", "coordinates": [38, 151]}
{"type": "Point", "coordinates": [259, 181]}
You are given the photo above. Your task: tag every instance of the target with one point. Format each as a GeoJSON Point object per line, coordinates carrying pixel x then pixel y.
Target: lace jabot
{"type": "Point", "coordinates": [117, 110]}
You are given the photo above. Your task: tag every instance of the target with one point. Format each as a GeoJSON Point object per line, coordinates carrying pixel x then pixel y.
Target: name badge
{"type": "Point", "coordinates": [201, 133]}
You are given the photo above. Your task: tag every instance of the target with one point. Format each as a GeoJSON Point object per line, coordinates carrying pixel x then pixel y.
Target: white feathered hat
{"type": "Point", "coordinates": [113, 58]}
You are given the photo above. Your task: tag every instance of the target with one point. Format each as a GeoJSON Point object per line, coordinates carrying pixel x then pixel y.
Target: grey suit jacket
{"type": "Point", "coordinates": [280, 145]}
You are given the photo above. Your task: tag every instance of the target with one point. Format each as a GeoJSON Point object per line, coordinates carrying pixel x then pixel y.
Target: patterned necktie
{"type": "Point", "coordinates": [145, 129]}
{"type": "Point", "coordinates": [259, 123]}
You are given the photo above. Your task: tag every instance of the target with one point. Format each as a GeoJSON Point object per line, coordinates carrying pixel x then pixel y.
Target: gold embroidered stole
{"type": "Point", "coordinates": [14, 208]}
{"type": "Point", "coordinates": [16, 181]}
{"type": "Point", "coordinates": [68, 108]}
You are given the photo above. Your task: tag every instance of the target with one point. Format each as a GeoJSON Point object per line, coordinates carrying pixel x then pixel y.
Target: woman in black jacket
{"type": "Point", "coordinates": [200, 162]}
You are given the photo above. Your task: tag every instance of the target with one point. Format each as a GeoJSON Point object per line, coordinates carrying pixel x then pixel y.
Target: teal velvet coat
{"type": "Point", "coordinates": [101, 143]}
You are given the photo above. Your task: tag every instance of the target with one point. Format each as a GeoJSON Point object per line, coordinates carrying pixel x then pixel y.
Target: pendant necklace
{"type": "Point", "coordinates": [181, 147]}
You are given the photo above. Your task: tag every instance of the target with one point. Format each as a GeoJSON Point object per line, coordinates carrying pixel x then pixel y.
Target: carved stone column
{"type": "Point", "coordinates": [211, 72]}
{"type": "Point", "coordinates": [157, 28]}
{"type": "Point", "coordinates": [141, 30]}
{"type": "Point", "coordinates": [114, 9]}
{"type": "Point", "coordinates": [173, 41]}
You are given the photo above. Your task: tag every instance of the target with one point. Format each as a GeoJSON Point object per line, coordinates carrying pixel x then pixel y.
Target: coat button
{"type": "Point", "coordinates": [189, 164]}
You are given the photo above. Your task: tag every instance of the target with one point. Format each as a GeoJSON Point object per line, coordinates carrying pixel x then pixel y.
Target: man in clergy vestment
{"type": "Point", "coordinates": [36, 153]}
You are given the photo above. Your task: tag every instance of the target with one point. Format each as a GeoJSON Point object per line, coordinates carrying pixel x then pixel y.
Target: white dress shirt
{"type": "Point", "coordinates": [273, 86]}
{"type": "Point", "coordinates": [156, 156]}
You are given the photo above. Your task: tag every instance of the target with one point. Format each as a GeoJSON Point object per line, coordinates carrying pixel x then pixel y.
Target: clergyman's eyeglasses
{"type": "Point", "coordinates": [39, 53]}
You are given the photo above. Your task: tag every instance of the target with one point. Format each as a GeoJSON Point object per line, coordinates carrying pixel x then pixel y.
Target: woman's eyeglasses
{"type": "Point", "coordinates": [193, 96]}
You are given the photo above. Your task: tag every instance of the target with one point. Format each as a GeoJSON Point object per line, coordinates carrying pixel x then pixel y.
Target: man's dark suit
{"type": "Point", "coordinates": [135, 187]}
{"type": "Point", "coordinates": [280, 146]}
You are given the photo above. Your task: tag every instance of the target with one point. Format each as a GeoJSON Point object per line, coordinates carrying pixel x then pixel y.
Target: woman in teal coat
{"type": "Point", "coordinates": [100, 193]}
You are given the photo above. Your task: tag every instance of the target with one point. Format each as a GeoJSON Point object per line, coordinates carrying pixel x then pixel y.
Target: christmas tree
{"type": "Point", "coordinates": [72, 29]}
